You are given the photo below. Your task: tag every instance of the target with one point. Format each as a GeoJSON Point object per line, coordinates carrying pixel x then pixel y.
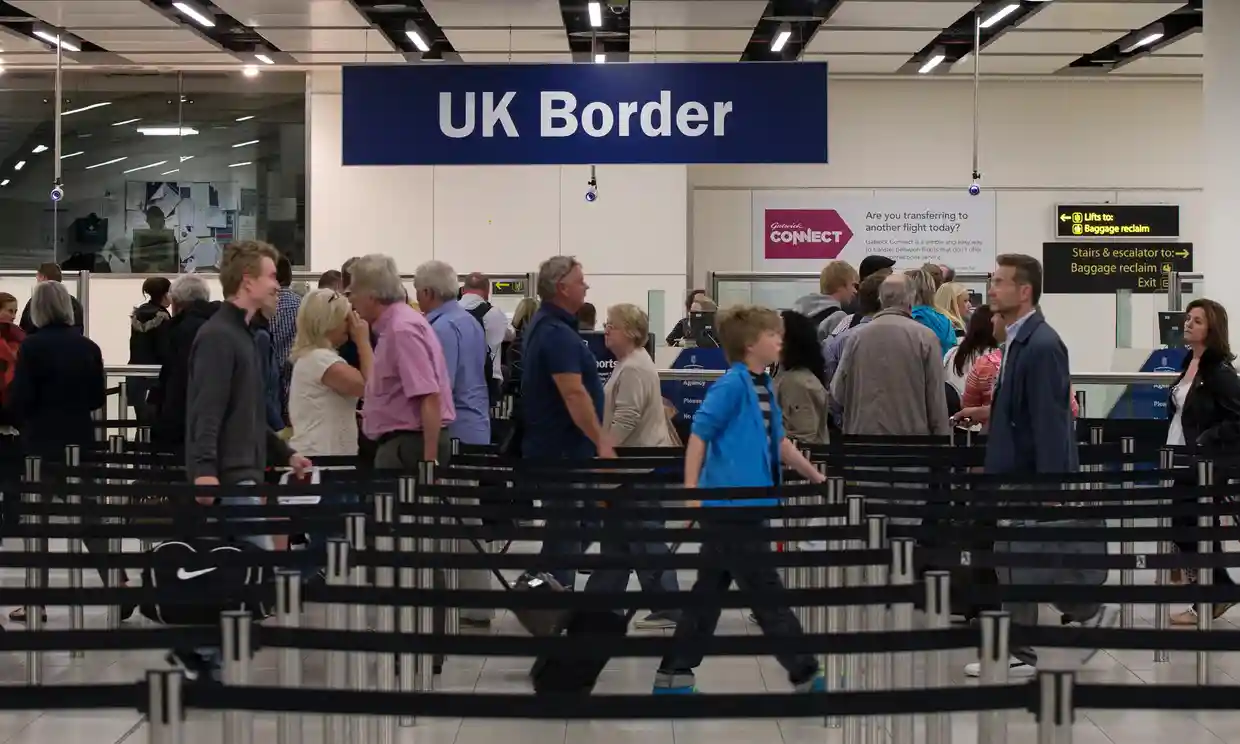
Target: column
{"type": "Point", "coordinates": [1218, 253]}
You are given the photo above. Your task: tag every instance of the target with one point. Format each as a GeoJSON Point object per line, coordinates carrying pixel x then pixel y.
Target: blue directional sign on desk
{"type": "Point", "coordinates": [1149, 401]}
{"type": "Point", "coordinates": [687, 395]}
{"type": "Point", "coordinates": [585, 114]}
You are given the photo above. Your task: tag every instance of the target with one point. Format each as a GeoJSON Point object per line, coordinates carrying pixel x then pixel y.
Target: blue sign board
{"type": "Point", "coordinates": [765, 112]}
{"type": "Point", "coordinates": [1150, 401]}
{"type": "Point", "coordinates": [687, 395]}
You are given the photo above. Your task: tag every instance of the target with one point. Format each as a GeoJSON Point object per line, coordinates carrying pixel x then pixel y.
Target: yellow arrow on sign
{"type": "Point", "coordinates": [1183, 253]}
{"type": "Point", "coordinates": [1065, 217]}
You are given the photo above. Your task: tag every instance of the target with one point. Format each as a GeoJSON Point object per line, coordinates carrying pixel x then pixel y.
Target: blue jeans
{"type": "Point", "coordinates": [211, 654]}
{"type": "Point", "coordinates": [650, 580]}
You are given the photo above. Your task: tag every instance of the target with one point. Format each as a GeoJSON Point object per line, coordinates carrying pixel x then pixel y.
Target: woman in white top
{"type": "Point", "coordinates": [633, 416]}
{"type": "Point", "coordinates": [324, 389]}
{"type": "Point", "coordinates": [978, 341]}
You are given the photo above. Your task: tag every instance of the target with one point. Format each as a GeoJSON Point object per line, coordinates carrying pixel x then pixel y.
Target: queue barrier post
{"type": "Point", "coordinates": [452, 576]}
{"type": "Point", "coordinates": [383, 728]}
{"type": "Point", "coordinates": [406, 494]}
{"type": "Point", "coordinates": [334, 726]}
{"type": "Point", "coordinates": [289, 660]}
{"type": "Point", "coordinates": [1095, 438]}
{"type": "Point", "coordinates": [854, 678]}
{"type": "Point", "coordinates": [35, 577]}
{"type": "Point", "coordinates": [993, 657]}
{"type": "Point", "coordinates": [237, 653]}
{"type": "Point", "coordinates": [77, 613]}
{"type": "Point", "coordinates": [1162, 611]}
{"type": "Point", "coordinates": [355, 533]}
{"type": "Point", "coordinates": [116, 445]}
{"type": "Point", "coordinates": [144, 440]}
{"type": "Point", "coordinates": [1055, 713]}
{"type": "Point", "coordinates": [836, 663]}
{"type": "Point", "coordinates": [424, 576]}
{"type": "Point", "coordinates": [902, 573]}
{"type": "Point", "coordinates": [122, 405]}
{"type": "Point", "coordinates": [165, 708]}
{"type": "Point", "coordinates": [817, 575]}
{"type": "Point", "coordinates": [875, 622]}
{"type": "Point", "coordinates": [1127, 576]}
{"type": "Point", "coordinates": [1205, 574]}
{"type": "Point", "coordinates": [938, 616]}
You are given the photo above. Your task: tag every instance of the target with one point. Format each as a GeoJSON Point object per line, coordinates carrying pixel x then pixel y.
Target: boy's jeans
{"type": "Point", "coordinates": [617, 580]}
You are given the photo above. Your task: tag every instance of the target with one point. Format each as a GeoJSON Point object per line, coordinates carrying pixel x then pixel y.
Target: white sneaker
{"type": "Point", "coordinates": [1017, 669]}
{"type": "Point", "coordinates": [1107, 616]}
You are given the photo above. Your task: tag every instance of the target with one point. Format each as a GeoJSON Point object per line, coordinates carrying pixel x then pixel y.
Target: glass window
{"type": "Point", "coordinates": [160, 171]}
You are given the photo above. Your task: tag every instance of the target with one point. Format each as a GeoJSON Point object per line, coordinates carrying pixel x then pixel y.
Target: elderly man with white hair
{"type": "Point", "coordinates": [191, 308]}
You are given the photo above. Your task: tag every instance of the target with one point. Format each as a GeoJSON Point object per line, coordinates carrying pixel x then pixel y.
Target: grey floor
{"type": "Point", "coordinates": [624, 676]}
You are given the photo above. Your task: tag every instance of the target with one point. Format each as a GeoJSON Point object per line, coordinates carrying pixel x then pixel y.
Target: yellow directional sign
{"type": "Point", "coordinates": [1117, 221]}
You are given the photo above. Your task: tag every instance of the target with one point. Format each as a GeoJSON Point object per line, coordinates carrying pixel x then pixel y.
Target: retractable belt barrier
{"type": "Point", "coordinates": [853, 577]}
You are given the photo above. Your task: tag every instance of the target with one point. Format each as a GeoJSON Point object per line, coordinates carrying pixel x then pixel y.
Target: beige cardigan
{"type": "Point", "coordinates": [633, 411]}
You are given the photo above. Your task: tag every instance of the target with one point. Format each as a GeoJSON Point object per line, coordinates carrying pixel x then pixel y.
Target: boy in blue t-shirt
{"type": "Point", "coordinates": [738, 441]}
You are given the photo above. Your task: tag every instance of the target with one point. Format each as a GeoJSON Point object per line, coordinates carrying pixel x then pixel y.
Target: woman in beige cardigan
{"type": "Point", "coordinates": [633, 415]}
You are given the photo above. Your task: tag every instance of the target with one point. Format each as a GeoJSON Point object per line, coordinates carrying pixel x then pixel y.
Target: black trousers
{"type": "Point", "coordinates": [732, 564]}
{"type": "Point", "coordinates": [1189, 478]}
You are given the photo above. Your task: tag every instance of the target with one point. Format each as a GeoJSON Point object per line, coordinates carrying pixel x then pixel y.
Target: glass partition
{"type": "Point", "coordinates": [780, 289]}
{"type": "Point", "coordinates": [656, 305]}
{"type": "Point", "coordinates": [26, 172]}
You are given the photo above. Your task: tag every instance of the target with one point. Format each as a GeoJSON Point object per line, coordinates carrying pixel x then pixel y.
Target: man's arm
{"type": "Point", "coordinates": [211, 366]}
{"type": "Point", "coordinates": [937, 415]}
{"type": "Point", "coordinates": [1048, 388]}
{"type": "Point", "coordinates": [580, 407]}
{"type": "Point", "coordinates": [839, 382]}
{"type": "Point", "coordinates": [419, 378]}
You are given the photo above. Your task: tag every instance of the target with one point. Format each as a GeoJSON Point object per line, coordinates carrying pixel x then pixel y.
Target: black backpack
{"type": "Point", "coordinates": [494, 386]}
{"type": "Point", "coordinates": [177, 567]}
{"type": "Point", "coordinates": [818, 317]}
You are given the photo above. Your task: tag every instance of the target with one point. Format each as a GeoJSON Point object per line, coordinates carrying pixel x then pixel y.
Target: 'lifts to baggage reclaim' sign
{"type": "Point", "coordinates": [1106, 267]}
{"type": "Point", "coordinates": [1117, 221]}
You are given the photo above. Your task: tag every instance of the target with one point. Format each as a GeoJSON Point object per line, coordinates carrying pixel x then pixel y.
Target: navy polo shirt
{"type": "Point", "coordinates": [552, 345]}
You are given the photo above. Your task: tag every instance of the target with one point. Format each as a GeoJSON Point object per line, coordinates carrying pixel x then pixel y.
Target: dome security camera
{"type": "Point", "coordinates": [975, 189]}
{"type": "Point", "coordinates": [58, 192]}
{"type": "Point", "coordinates": [592, 191]}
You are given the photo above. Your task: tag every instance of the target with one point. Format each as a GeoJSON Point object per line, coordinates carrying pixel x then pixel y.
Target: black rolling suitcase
{"type": "Point", "coordinates": [554, 673]}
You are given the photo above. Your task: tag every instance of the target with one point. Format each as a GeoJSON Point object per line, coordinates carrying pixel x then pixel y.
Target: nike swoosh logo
{"type": "Point", "coordinates": [184, 575]}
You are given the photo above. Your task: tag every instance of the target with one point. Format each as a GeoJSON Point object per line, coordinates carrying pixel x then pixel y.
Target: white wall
{"type": "Point", "coordinates": [1042, 143]}
{"type": "Point", "coordinates": [634, 239]}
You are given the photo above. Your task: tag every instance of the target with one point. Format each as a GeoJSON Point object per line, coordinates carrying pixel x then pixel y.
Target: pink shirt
{"type": "Point", "coordinates": [409, 365]}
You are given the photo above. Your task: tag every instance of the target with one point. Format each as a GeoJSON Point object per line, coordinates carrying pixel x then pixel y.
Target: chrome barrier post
{"type": "Point", "coordinates": [854, 678]}
{"type": "Point", "coordinates": [237, 653]}
{"type": "Point", "coordinates": [425, 578]}
{"type": "Point", "coordinates": [1055, 713]}
{"type": "Point", "coordinates": [165, 708]}
{"type": "Point", "coordinates": [122, 406]}
{"type": "Point", "coordinates": [1095, 438]}
{"type": "Point", "coordinates": [383, 728]}
{"type": "Point", "coordinates": [116, 445]}
{"type": "Point", "coordinates": [452, 545]}
{"type": "Point", "coordinates": [1080, 403]}
{"type": "Point", "coordinates": [1127, 575]}
{"type": "Point", "coordinates": [938, 616]}
{"type": "Point", "coordinates": [289, 671]}
{"type": "Point", "coordinates": [34, 544]}
{"type": "Point", "coordinates": [1205, 574]}
{"type": "Point", "coordinates": [77, 613]}
{"type": "Point", "coordinates": [875, 622]}
{"type": "Point", "coordinates": [817, 577]}
{"type": "Point", "coordinates": [835, 616]}
{"type": "Point", "coordinates": [98, 416]}
{"type": "Point", "coordinates": [994, 655]}
{"type": "Point", "coordinates": [406, 680]}
{"type": "Point", "coordinates": [334, 727]}
{"type": "Point", "coordinates": [902, 573]}
{"type": "Point", "coordinates": [1162, 610]}
{"type": "Point", "coordinates": [359, 661]}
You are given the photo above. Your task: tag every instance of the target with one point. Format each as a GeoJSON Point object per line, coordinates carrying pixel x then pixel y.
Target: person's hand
{"type": "Point", "coordinates": [300, 464]}
{"type": "Point", "coordinates": [817, 477]}
{"type": "Point", "coordinates": [606, 451]}
{"type": "Point", "coordinates": [970, 416]}
{"type": "Point", "coordinates": [206, 480]}
{"type": "Point", "coordinates": [359, 330]}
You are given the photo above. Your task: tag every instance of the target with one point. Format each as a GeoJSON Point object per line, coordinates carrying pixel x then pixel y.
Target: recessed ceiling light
{"type": "Point", "coordinates": [39, 148]}
{"type": "Point", "coordinates": [264, 58]}
{"type": "Point", "coordinates": [20, 164]}
{"type": "Point", "coordinates": [167, 131]}
{"type": "Point", "coordinates": [169, 173]}
{"type": "Point", "coordinates": [127, 121]}
{"type": "Point", "coordinates": [600, 59]}
{"type": "Point", "coordinates": [86, 108]}
{"type": "Point", "coordinates": [249, 71]}
{"type": "Point", "coordinates": [238, 165]}
{"type": "Point", "coordinates": [5, 182]}
{"type": "Point", "coordinates": [53, 37]}
{"type": "Point", "coordinates": [245, 144]}
{"type": "Point", "coordinates": [194, 12]}
{"type": "Point", "coordinates": [245, 118]}
{"type": "Point", "coordinates": [596, 13]}
{"type": "Point", "coordinates": [73, 155]}
{"type": "Point", "coordinates": [144, 167]}
{"type": "Point", "coordinates": [414, 32]}
{"type": "Point", "coordinates": [186, 157]}
{"type": "Point", "coordinates": [781, 37]}
{"type": "Point", "coordinates": [107, 162]}
{"type": "Point", "coordinates": [1000, 14]}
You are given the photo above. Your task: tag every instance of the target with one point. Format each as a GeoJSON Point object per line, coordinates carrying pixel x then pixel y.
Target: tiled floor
{"type": "Point", "coordinates": [631, 676]}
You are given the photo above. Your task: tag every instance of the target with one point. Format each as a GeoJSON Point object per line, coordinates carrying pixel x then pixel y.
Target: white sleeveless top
{"type": "Point", "coordinates": [324, 422]}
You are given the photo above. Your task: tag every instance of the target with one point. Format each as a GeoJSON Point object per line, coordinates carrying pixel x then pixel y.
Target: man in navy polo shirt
{"type": "Point", "coordinates": [562, 397]}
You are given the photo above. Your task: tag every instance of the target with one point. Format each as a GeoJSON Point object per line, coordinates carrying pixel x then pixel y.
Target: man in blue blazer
{"type": "Point", "coordinates": [1031, 432]}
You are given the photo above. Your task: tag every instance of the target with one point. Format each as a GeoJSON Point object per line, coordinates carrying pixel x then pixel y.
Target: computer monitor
{"type": "Point", "coordinates": [700, 330]}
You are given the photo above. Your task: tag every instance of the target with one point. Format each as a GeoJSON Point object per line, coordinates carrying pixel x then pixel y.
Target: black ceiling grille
{"type": "Point", "coordinates": [23, 23]}
{"type": "Point", "coordinates": [392, 19]}
{"type": "Point", "coordinates": [803, 18]}
{"type": "Point", "coordinates": [584, 40]}
{"type": "Point", "coordinates": [228, 32]}
{"type": "Point", "coordinates": [1176, 25]}
{"type": "Point", "coordinates": [956, 40]}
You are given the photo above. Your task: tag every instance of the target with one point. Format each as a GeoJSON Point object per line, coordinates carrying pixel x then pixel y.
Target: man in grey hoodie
{"type": "Point", "coordinates": [837, 286]}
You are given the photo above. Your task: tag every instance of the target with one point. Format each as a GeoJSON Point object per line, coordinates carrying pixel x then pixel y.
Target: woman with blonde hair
{"type": "Point", "coordinates": [952, 299]}
{"type": "Point", "coordinates": [924, 311]}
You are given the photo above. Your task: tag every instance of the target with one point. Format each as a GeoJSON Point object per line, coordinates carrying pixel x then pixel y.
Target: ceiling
{"type": "Point", "coordinates": [857, 37]}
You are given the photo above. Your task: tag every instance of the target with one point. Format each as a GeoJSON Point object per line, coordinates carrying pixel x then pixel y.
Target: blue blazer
{"type": "Point", "coordinates": [738, 451]}
{"type": "Point", "coordinates": [1031, 429]}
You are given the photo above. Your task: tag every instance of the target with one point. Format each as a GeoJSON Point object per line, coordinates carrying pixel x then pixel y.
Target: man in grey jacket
{"type": "Point", "coordinates": [227, 440]}
{"type": "Point", "coordinates": [890, 377]}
